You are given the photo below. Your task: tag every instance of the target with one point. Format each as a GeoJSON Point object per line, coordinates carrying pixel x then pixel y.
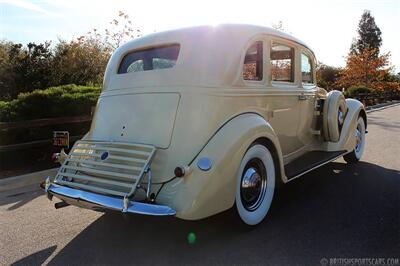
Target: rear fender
{"type": "Point", "coordinates": [204, 193]}
{"type": "Point", "coordinates": [347, 139]}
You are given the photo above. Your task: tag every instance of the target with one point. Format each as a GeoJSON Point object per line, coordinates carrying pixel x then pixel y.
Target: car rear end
{"type": "Point", "coordinates": [154, 114]}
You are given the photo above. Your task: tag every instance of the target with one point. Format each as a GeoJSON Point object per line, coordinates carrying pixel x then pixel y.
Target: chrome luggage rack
{"type": "Point", "coordinates": [112, 168]}
{"type": "Point", "coordinates": [106, 174]}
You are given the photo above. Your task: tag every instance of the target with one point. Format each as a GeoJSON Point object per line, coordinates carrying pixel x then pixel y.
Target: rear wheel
{"type": "Point", "coordinates": [356, 154]}
{"type": "Point", "coordinates": [255, 184]}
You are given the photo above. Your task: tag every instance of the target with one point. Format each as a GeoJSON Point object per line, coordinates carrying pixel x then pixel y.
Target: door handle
{"type": "Point", "coordinates": [302, 97]}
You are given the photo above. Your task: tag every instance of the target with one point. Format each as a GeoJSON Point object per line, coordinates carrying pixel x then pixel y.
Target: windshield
{"type": "Point", "coordinates": [148, 59]}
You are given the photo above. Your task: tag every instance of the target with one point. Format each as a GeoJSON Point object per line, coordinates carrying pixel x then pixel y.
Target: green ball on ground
{"type": "Point", "coordinates": [191, 238]}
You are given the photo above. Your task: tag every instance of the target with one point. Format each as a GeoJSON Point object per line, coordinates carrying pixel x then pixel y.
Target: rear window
{"type": "Point", "coordinates": [148, 59]}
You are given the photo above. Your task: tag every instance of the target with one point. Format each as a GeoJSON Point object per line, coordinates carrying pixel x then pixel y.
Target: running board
{"type": "Point", "coordinates": [310, 161]}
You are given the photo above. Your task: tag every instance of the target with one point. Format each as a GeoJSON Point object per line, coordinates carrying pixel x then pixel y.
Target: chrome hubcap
{"type": "Point", "coordinates": [340, 117]}
{"type": "Point", "coordinates": [253, 184]}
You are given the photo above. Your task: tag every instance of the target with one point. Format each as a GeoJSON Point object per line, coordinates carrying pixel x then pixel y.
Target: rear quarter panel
{"type": "Point", "coordinates": [204, 193]}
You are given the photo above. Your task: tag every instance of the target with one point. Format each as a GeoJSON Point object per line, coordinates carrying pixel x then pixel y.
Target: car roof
{"type": "Point", "coordinates": [244, 31]}
{"type": "Point", "coordinates": [209, 55]}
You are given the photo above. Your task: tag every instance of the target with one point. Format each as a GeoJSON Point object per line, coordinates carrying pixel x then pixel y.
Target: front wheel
{"type": "Point", "coordinates": [255, 184]}
{"type": "Point", "coordinates": [355, 155]}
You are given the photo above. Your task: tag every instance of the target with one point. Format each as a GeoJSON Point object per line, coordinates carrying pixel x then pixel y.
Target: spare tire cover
{"type": "Point", "coordinates": [333, 117]}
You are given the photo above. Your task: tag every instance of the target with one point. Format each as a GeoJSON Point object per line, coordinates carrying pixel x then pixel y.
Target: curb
{"type": "Point", "coordinates": [382, 106]}
{"type": "Point", "coordinates": [15, 182]}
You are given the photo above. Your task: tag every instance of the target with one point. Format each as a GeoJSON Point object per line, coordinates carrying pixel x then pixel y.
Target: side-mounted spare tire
{"type": "Point", "coordinates": [334, 112]}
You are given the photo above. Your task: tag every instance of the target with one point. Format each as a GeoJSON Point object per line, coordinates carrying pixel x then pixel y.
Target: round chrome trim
{"type": "Point", "coordinates": [204, 164]}
{"type": "Point", "coordinates": [340, 117]}
{"type": "Point", "coordinates": [253, 185]}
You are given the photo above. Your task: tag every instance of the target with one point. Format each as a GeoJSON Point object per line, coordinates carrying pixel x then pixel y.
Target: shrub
{"type": "Point", "coordinates": [355, 91]}
{"type": "Point", "coordinates": [66, 100]}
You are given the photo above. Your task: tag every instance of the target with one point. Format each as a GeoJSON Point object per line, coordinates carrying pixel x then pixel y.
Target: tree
{"type": "Point", "coordinates": [121, 30]}
{"type": "Point", "coordinates": [327, 76]}
{"type": "Point", "coordinates": [279, 26]}
{"type": "Point", "coordinates": [83, 61]}
{"type": "Point", "coordinates": [34, 68]}
{"type": "Point", "coordinates": [24, 69]}
{"type": "Point", "coordinates": [369, 35]}
{"type": "Point", "coordinates": [364, 69]}
{"type": "Point", "coordinates": [80, 62]}
{"type": "Point", "coordinates": [365, 66]}
{"type": "Point", "coordinates": [7, 76]}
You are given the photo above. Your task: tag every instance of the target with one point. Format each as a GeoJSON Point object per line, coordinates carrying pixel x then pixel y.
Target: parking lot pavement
{"type": "Point", "coordinates": [338, 211]}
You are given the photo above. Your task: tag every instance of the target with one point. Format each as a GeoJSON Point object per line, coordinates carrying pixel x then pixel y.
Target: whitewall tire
{"type": "Point", "coordinates": [255, 184]}
{"type": "Point", "coordinates": [356, 154]}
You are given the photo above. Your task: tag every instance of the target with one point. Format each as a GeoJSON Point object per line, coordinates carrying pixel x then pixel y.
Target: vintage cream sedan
{"type": "Point", "coordinates": [195, 121]}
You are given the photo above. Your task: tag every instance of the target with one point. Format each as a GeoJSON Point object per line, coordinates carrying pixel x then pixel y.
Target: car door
{"type": "Point", "coordinates": [307, 98]}
{"type": "Point", "coordinates": [285, 105]}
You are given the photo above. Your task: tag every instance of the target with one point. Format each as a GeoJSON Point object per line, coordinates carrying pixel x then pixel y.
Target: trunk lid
{"type": "Point", "coordinates": [146, 118]}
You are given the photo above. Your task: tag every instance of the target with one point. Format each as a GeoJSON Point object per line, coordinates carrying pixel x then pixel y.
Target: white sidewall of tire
{"type": "Point", "coordinates": [256, 216]}
{"type": "Point", "coordinates": [325, 129]}
{"type": "Point", "coordinates": [361, 151]}
{"type": "Point", "coordinates": [334, 130]}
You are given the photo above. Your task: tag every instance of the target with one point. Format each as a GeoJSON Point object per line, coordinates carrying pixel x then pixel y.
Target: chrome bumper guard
{"type": "Point", "coordinates": [101, 202]}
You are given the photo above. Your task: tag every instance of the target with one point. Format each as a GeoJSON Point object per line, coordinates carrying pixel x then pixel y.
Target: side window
{"type": "Point", "coordinates": [306, 69]}
{"type": "Point", "coordinates": [253, 63]}
{"type": "Point", "coordinates": [282, 63]}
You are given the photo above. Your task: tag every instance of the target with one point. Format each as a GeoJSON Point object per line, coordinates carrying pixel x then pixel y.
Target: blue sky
{"type": "Point", "coordinates": [326, 26]}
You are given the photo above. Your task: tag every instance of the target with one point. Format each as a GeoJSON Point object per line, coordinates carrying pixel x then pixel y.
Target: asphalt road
{"type": "Point", "coordinates": [340, 210]}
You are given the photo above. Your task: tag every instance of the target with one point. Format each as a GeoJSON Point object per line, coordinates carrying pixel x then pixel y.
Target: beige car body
{"type": "Point", "coordinates": [203, 108]}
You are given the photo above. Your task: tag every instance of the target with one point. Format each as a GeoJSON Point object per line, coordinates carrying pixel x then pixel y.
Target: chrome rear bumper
{"type": "Point", "coordinates": [100, 202]}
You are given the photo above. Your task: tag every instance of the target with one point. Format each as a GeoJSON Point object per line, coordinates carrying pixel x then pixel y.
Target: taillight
{"type": "Point", "coordinates": [59, 157]}
{"type": "Point", "coordinates": [55, 157]}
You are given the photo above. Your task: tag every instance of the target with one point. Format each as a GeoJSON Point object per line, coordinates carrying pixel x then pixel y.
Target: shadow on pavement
{"type": "Point", "coordinates": [36, 258]}
{"type": "Point", "coordinates": [383, 124]}
{"type": "Point", "coordinates": [339, 210]}
{"type": "Point", "coordinates": [20, 197]}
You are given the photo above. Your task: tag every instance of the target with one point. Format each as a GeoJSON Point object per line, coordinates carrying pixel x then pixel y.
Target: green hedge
{"type": "Point", "coordinates": [61, 101]}
{"type": "Point", "coordinates": [355, 91]}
